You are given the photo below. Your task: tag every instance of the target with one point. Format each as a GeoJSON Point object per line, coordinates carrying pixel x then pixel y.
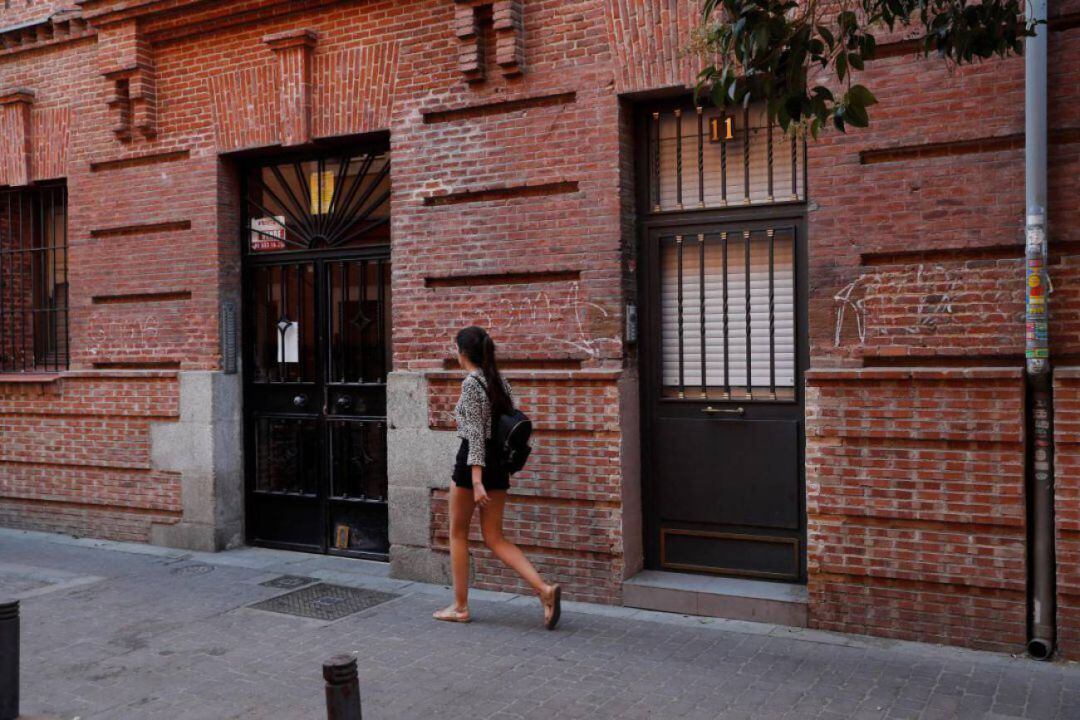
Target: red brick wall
{"type": "Point", "coordinates": [915, 504]}
{"type": "Point", "coordinates": [1067, 507]}
{"type": "Point", "coordinates": [17, 12]}
{"type": "Point", "coordinates": [915, 483]}
{"type": "Point", "coordinates": [76, 454]}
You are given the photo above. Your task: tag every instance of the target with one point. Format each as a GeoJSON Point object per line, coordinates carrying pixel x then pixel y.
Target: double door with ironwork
{"type": "Point", "coordinates": [316, 334]}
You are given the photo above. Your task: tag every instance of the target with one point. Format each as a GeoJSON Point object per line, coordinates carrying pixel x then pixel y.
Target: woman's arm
{"type": "Point", "coordinates": [473, 398]}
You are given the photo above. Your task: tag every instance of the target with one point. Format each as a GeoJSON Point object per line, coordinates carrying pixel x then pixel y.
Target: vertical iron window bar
{"type": "Point", "coordinates": [746, 157]}
{"type": "Point", "coordinates": [701, 311]}
{"type": "Point", "coordinates": [794, 167]}
{"type": "Point", "coordinates": [679, 280]}
{"type": "Point", "coordinates": [380, 305]}
{"type": "Point", "coordinates": [678, 159]}
{"type": "Point", "coordinates": [656, 161]}
{"type": "Point", "coordinates": [746, 289]}
{"type": "Point", "coordinates": [33, 280]}
{"type": "Point", "coordinates": [772, 313]}
{"type": "Point", "coordinates": [343, 330]}
{"type": "Point", "coordinates": [769, 161]}
{"type": "Point", "coordinates": [724, 277]}
{"type": "Point", "coordinates": [723, 174]}
{"type": "Point", "coordinates": [361, 321]}
{"type": "Point", "coordinates": [701, 157]}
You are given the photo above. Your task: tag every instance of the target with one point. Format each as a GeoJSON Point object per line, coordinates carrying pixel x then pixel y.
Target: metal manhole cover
{"type": "Point", "coordinates": [195, 569]}
{"type": "Point", "coordinates": [288, 582]}
{"type": "Point", "coordinates": [324, 602]}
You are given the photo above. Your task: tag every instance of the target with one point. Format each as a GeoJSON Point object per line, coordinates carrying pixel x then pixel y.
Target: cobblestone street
{"type": "Point", "coordinates": [115, 631]}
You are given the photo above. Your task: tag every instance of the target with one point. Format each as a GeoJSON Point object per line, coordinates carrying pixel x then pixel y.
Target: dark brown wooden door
{"type": "Point", "coordinates": [723, 350]}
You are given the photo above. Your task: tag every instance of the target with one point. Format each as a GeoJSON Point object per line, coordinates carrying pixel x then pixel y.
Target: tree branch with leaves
{"type": "Point", "coordinates": [800, 58]}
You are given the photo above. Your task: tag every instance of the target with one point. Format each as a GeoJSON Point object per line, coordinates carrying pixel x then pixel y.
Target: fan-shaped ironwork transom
{"type": "Point", "coordinates": [325, 203]}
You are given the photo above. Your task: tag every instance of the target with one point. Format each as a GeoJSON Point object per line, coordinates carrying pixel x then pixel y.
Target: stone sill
{"type": "Point", "coordinates": [28, 378]}
{"type": "Point", "coordinates": [557, 375]}
{"type": "Point", "coordinates": [113, 373]}
{"type": "Point", "coordinates": [916, 373]}
{"type": "Point", "coordinates": [1071, 372]}
{"type": "Point", "coordinates": [42, 378]}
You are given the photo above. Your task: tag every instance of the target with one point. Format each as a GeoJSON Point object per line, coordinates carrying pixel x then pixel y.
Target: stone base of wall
{"type": "Point", "coordinates": [205, 446]}
{"type": "Point", "coordinates": [418, 461]}
{"type": "Point", "coordinates": [915, 504]}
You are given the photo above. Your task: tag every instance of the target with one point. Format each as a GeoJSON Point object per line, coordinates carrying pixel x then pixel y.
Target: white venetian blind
{"type": "Point", "coordinates": [723, 167]}
{"type": "Point", "coordinates": [721, 371]}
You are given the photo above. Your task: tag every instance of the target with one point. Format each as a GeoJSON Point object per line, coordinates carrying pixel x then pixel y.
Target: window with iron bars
{"type": "Point", "coordinates": [33, 279]}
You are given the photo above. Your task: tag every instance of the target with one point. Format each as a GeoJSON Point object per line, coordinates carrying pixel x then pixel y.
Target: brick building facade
{"type": "Point", "coordinates": [523, 142]}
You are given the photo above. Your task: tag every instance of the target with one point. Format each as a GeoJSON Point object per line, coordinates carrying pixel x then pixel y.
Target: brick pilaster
{"type": "Point", "coordinates": [126, 61]}
{"type": "Point", "coordinates": [294, 49]}
{"type": "Point", "coordinates": [471, 51]}
{"type": "Point", "coordinates": [509, 36]}
{"type": "Point", "coordinates": [15, 136]}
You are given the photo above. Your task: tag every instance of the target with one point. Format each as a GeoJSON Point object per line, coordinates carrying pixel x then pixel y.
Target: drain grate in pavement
{"type": "Point", "coordinates": [324, 602]}
{"type": "Point", "coordinates": [193, 569]}
{"type": "Point", "coordinates": [288, 582]}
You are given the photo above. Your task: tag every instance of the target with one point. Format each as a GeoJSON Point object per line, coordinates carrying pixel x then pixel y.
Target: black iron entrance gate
{"type": "Point", "coordinates": [317, 329]}
{"type": "Point", "coordinates": [723, 345]}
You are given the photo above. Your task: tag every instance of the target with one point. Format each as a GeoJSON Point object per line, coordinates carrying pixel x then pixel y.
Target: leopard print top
{"type": "Point", "coordinates": [473, 415]}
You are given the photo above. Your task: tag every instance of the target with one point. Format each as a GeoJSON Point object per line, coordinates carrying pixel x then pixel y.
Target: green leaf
{"type": "Point", "coordinates": [826, 35]}
{"type": "Point", "coordinates": [856, 115]}
{"type": "Point", "coordinates": [841, 66]}
{"type": "Point", "coordinates": [859, 95]}
{"type": "Point", "coordinates": [855, 60]}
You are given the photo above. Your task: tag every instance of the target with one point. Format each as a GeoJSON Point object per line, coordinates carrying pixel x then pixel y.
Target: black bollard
{"type": "Point", "coordinates": [9, 660]}
{"type": "Point", "coordinates": [342, 688]}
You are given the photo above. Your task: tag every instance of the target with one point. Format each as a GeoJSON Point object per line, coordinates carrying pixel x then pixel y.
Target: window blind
{"type": "Point", "coordinates": [728, 314]}
{"type": "Point", "coordinates": [758, 165]}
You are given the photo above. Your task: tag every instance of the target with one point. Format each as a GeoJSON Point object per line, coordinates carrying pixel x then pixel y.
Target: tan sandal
{"type": "Point", "coordinates": [452, 614]}
{"type": "Point", "coordinates": [553, 609]}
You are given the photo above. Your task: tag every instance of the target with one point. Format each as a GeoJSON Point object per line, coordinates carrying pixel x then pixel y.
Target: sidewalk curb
{"type": "Point", "coordinates": [374, 576]}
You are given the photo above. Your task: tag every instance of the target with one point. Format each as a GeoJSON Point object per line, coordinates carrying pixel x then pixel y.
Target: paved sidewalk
{"type": "Point", "coordinates": [116, 631]}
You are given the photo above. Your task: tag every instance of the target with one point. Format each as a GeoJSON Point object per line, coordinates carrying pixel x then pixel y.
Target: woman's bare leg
{"type": "Point", "coordinates": [491, 523]}
{"type": "Point", "coordinates": [461, 512]}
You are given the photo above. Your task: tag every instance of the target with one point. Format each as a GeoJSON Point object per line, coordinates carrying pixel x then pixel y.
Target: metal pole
{"type": "Point", "coordinates": [9, 660]}
{"type": "Point", "coordinates": [1040, 409]}
{"type": "Point", "coordinates": [342, 688]}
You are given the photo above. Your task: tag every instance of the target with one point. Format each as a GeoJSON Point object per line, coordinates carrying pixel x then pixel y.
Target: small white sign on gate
{"type": "Point", "coordinates": [268, 233]}
{"type": "Point", "coordinates": [288, 342]}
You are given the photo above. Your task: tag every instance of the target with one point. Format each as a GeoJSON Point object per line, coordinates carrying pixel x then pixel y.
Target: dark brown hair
{"type": "Point", "coordinates": [474, 343]}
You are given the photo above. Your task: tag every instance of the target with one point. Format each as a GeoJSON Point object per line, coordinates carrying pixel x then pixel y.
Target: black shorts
{"type": "Point", "coordinates": [494, 478]}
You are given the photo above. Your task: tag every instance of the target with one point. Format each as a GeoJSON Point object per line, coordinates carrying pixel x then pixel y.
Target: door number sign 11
{"type": "Point", "coordinates": [721, 128]}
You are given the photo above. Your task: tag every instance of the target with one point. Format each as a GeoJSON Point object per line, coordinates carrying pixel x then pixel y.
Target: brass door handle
{"type": "Point", "coordinates": [724, 411]}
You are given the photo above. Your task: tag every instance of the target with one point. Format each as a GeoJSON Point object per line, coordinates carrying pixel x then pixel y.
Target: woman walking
{"type": "Point", "coordinates": [479, 481]}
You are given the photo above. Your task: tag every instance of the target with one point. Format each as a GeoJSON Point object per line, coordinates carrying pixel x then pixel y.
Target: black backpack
{"type": "Point", "coordinates": [510, 433]}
